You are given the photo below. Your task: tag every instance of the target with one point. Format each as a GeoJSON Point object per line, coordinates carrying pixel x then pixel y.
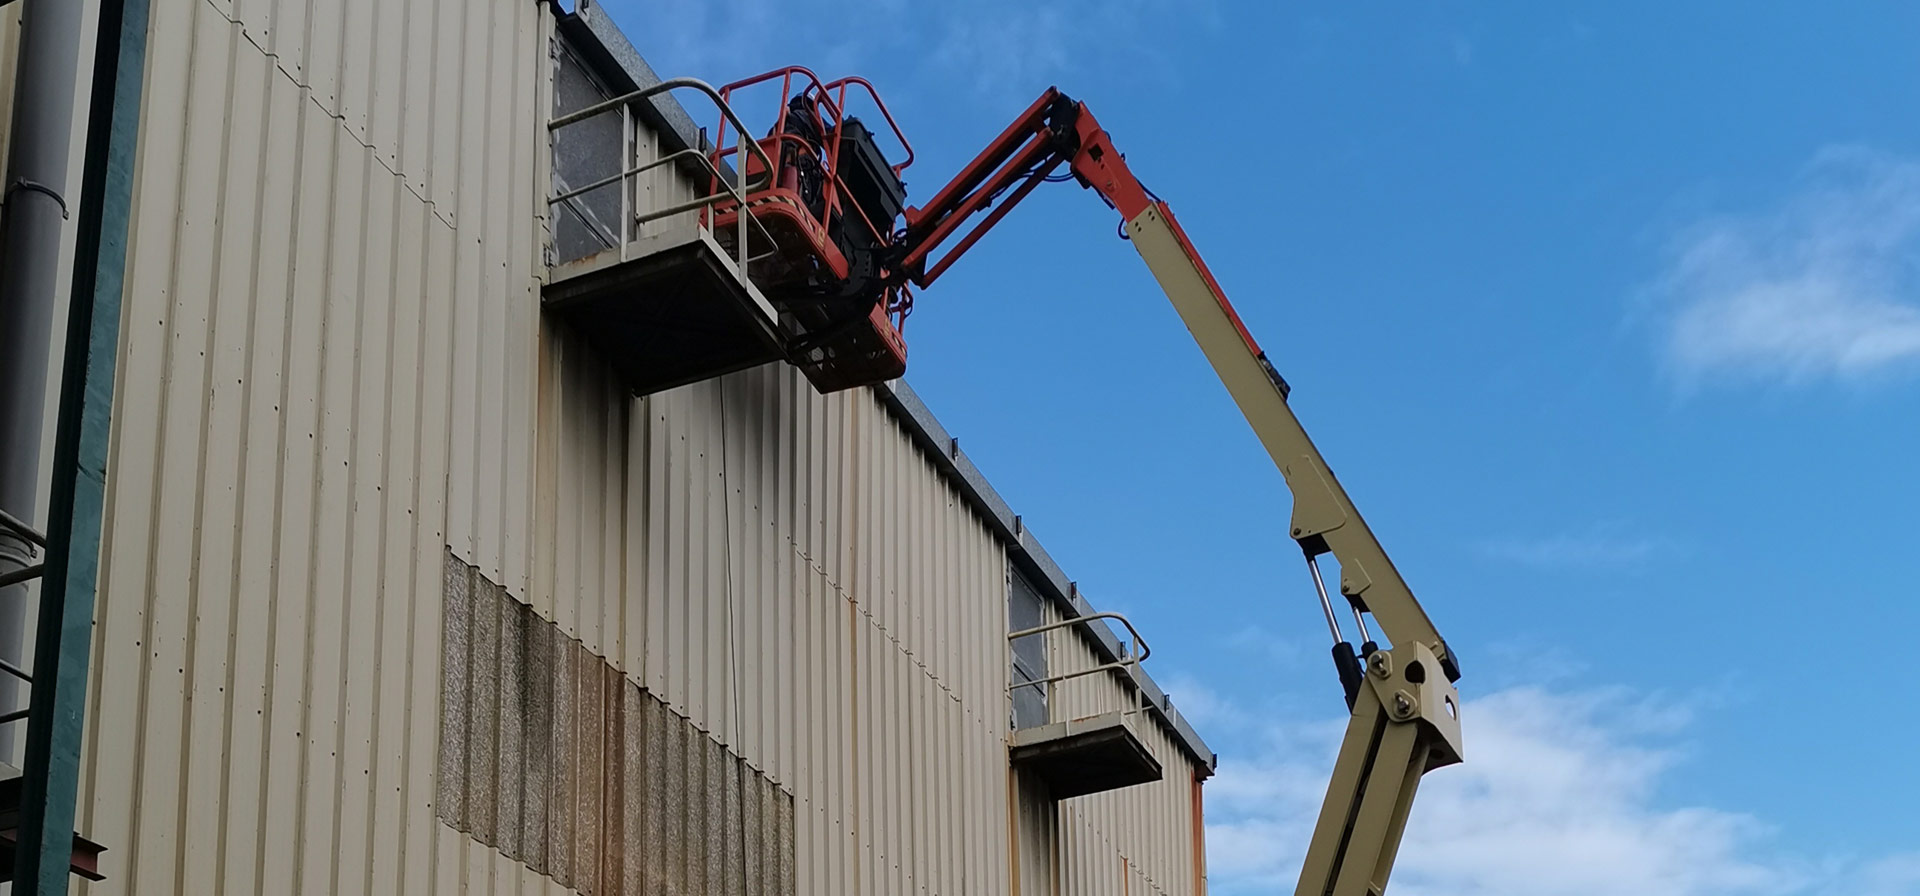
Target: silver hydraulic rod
{"type": "Point", "coordinates": [1326, 604]}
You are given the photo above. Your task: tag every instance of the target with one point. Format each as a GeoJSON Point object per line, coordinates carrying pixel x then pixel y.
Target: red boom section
{"type": "Point", "coordinates": [1052, 131]}
{"type": "Point", "coordinates": [840, 270]}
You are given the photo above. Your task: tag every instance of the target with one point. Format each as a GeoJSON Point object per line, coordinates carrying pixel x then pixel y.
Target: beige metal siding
{"type": "Point", "coordinates": [1140, 839]}
{"type": "Point", "coordinates": [326, 376]}
{"type": "Point", "coordinates": [788, 571]}
{"type": "Point", "coordinates": [1036, 837]}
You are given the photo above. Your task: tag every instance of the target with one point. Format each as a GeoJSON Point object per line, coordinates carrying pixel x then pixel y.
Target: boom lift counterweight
{"type": "Point", "coordinates": [1404, 717]}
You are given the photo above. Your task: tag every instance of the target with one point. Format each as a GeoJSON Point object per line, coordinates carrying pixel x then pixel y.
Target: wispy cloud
{"type": "Point", "coordinates": [1823, 287]}
{"type": "Point", "coordinates": [1261, 643]}
{"type": "Point", "coordinates": [1462, 49]}
{"type": "Point", "coordinates": [1600, 547]}
{"type": "Point", "coordinates": [1891, 876]}
{"type": "Point", "coordinates": [991, 47]}
{"type": "Point", "coordinates": [1561, 795]}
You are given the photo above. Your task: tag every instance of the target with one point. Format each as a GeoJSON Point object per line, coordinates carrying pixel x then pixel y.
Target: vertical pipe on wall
{"type": "Point", "coordinates": [32, 217]}
{"type": "Point", "coordinates": [78, 497]}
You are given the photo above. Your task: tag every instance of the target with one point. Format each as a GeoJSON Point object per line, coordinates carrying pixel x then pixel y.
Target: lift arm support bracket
{"type": "Point", "coordinates": [1405, 723]}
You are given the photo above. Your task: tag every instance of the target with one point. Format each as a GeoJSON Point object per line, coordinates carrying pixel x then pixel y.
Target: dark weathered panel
{"type": "Point", "coordinates": [512, 764]}
{"type": "Point", "coordinates": [456, 646]}
{"type": "Point", "coordinates": [550, 755]}
{"type": "Point", "coordinates": [560, 771]}
{"type": "Point", "coordinates": [483, 709]}
{"type": "Point", "coordinates": [586, 758]}
{"type": "Point", "coordinates": [536, 700]}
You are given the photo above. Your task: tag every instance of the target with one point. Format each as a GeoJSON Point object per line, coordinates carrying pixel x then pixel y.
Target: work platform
{"type": "Point", "coordinates": [1083, 756]}
{"type": "Point", "coordinates": [667, 309]}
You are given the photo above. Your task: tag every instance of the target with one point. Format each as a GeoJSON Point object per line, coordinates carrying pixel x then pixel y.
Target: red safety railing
{"type": "Point", "coordinates": [778, 203]}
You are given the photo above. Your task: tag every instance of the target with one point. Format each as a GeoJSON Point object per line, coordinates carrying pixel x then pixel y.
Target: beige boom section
{"type": "Point", "coordinates": [1142, 839]}
{"type": "Point", "coordinates": [328, 365]}
{"type": "Point", "coordinates": [790, 573]}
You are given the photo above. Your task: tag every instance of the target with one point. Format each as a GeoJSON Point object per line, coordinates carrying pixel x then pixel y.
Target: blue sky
{"type": "Point", "coordinates": [1607, 315]}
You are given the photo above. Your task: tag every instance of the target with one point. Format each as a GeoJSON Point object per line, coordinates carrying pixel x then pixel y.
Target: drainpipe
{"type": "Point", "coordinates": [32, 219]}
{"type": "Point", "coordinates": [77, 507]}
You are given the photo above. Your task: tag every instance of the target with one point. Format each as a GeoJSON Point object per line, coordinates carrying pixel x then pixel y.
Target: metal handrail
{"type": "Point", "coordinates": [1137, 651]}
{"type": "Point", "coordinates": [9, 521]}
{"type": "Point", "coordinates": [884, 113]}
{"type": "Point", "coordinates": [674, 209]}
{"type": "Point", "coordinates": [23, 574]}
{"type": "Point", "coordinates": [1145, 649]}
{"type": "Point", "coordinates": [1123, 664]}
{"type": "Point", "coordinates": [737, 189]}
{"type": "Point", "coordinates": [786, 91]}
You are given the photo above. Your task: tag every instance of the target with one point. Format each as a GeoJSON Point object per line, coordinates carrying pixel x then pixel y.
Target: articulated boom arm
{"type": "Point", "coordinates": [1405, 712]}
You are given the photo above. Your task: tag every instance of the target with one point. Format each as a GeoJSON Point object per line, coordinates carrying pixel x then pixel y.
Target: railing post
{"type": "Point", "coordinates": [629, 158]}
{"type": "Point", "coordinates": [740, 217]}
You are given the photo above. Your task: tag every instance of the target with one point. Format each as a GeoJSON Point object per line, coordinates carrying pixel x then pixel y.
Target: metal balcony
{"type": "Point", "coordinates": [647, 283]}
{"type": "Point", "coordinates": [1090, 754]}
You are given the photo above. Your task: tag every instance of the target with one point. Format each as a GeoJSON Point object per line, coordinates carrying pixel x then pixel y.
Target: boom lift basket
{"type": "Point", "coordinates": [676, 291]}
{"type": "Point", "coordinates": [829, 208]}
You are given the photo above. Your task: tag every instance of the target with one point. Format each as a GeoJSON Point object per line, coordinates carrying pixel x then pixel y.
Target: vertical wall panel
{"type": "Point", "coordinates": [264, 709]}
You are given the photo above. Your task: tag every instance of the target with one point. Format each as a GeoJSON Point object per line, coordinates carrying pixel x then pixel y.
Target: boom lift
{"type": "Point", "coordinates": [844, 273]}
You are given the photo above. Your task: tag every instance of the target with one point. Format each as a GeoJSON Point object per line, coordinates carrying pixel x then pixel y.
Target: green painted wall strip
{"type": "Point", "coordinates": [65, 632]}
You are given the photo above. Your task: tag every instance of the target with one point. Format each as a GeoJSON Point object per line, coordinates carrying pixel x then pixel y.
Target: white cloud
{"type": "Point", "coordinates": [1598, 547]}
{"type": "Point", "coordinates": [1823, 287]}
{"type": "Point", "coordinates": [1892, 876]}
{"type": "Point", "coordinates": [1560, 796]}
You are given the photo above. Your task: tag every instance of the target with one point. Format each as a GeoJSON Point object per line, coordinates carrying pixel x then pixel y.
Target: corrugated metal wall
{"type": "Point", "coordinates": [787, 571]}
{"type": "Point", "coordinates": [1036, 836]}
{"type": "Point", "coordinates": [329, 355]}
{"type": "Point", "coordinates": [335, 371]}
